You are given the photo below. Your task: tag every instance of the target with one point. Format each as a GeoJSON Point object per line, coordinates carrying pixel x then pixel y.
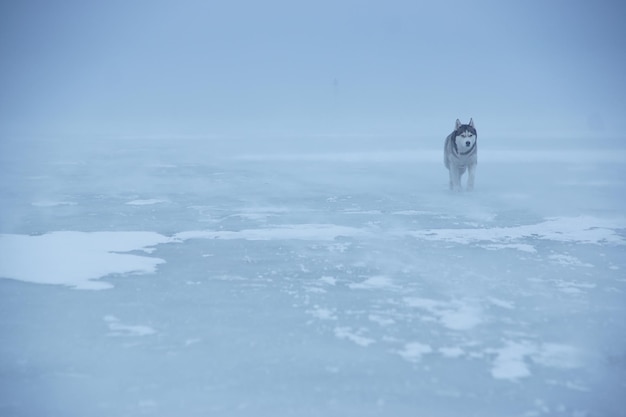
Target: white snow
{"type": "Point", "coordinates": [47, 203]}
{"type": "Point", "coordinates": [568, 260]}
{"type": "Point", "coordinates": [581, 229]}
{"type": "Point", "coordinates": [454, 315]}
{"type": "Point", "coordinates": [381, 320]}
{"type": "Point", "coordinates": [146, 202]}
{"type": "Point", "coordinates": [329, 280]}
{"type": "Point", "coordinates": [510, 361]}
{"type": "Point", "coordinates": [322, 313]}
{"type": "Point", "coordinates": [373, 283]}
{"type": "Point", "coordinates": [119, 329]}
{"type": "Point", "coordinates": [414, 351]}
{"type": "Point", "coordinates": [355, 336]}
{"type": "Point", "coordinates": [297, 232]}
{"type": "Point", "coordinates": [522, 247]}
{"type": "Point", "coordinates": [513, 360]}
{"type": "Point", "coordinates": [76, 259]}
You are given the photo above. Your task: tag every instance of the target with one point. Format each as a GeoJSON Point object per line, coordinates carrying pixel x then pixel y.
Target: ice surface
{"type": "Point", "coordinates": [332, 278]}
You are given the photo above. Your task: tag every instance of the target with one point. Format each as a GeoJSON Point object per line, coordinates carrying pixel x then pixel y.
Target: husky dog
{"type": "Point", "coordinates": [460, 153]}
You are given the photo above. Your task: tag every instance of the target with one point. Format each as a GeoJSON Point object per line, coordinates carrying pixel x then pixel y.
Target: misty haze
{"type": "Point", "coordinates": [242, 209]}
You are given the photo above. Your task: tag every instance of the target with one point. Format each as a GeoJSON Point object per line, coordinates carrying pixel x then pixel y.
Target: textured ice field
{"type": "Point", "coordinates": [310, 277]}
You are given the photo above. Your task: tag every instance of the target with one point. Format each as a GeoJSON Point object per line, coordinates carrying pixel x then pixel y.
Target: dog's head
{"type": "Point", "coordinates": [465, 136]}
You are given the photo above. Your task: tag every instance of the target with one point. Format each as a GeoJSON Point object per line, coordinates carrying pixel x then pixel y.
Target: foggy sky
{"type": "Point", "coordinates": [310, 67]}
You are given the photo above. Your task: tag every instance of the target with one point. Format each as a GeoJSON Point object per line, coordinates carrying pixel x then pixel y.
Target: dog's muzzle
{"type": "Point", "coordinates": [468, 143]}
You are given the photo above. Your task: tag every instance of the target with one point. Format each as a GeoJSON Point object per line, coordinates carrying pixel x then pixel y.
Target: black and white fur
{"type": "Point", "coordinates": [460, 154]}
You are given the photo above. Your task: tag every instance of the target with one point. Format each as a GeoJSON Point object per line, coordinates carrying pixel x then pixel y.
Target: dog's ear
{"type": "Point", "coordinates": [471, 123]}
{"type": "Point", "coordinates": [458, 124]}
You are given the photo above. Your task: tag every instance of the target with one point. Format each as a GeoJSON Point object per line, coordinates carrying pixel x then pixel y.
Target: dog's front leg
{"type": "Point", "coordinates": [471, 173]}
{"type": "Point", "coordinates": [455, 179]}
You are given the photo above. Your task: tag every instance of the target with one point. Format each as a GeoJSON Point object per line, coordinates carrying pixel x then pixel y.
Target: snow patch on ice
{"type": "Point", "coordinates": [511, 360]}
{"type": "Point", "coordinates": [416, 213]}
{"type": "Point", "coordinates": [373, 283]}
{"type": "Point", "coordinates": [568, 260]}
{"type": "Point", "coordinates": [76, 259]}
{"type": "Point", "coordinates": [120, 329]}
{"type": "Point", "coordinates": [328, 280]}
{"type": "Point", "coordinates": [314, 290]}
{"type": "Point", "coordinates": [354, 336]}
{"type": "Point", "coordinates": [522, 247]}
{"type": "Point", "coordinates": [322, 313]}
{"type": "Point", "coordinates": [229, 277]}
{"type": "Point", "coordinates": [463, 318]}
{"type": "Point", "coordinates": [320, 232]}
{"type": "Point", "coordinates": [259, 213]}
{"type": "Point", "coordinates": [509, 363]}
{"type": "Point", "coordinates": [370, 212]}
{"type": "Point", "coordinates": [574, 288]}
{"type": "Point", "coordinates": [146, 202]}
{"type": "Point", "coordinates": [192, 341]}
{"type": "Point", "coordinates": [451, 352]}
{"type": "Point", "coordinates": [414, 351]}
{"type": "Point", "coordinates": [455, 315]}
{"type": "Point", "coordinates": [582, 229]}
{"type": "Point", "coordinates": [47, 203]}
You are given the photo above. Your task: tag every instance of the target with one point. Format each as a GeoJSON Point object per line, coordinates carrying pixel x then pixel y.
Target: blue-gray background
{"type": "Point", "coordinates": [316, 67]}
{"type": "Point", "coordinates": [331, 272]}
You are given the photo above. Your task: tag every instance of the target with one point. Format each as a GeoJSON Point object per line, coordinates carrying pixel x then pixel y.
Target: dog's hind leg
{"type": "Point", "coordinates": [471, 174]}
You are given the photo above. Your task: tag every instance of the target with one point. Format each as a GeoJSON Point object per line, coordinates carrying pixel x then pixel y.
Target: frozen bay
{"type": "Point", "coordinates": [311, 276]}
